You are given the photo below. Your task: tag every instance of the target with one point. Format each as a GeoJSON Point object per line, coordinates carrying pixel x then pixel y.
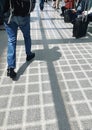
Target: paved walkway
{"type": "Point", "coordinates": [54, 91]}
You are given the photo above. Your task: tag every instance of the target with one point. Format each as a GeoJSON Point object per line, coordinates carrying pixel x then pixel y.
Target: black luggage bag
{"type": "Point", "coordinates": [80, 27]}
{"type": "Point", "coordinates": [68, 15]}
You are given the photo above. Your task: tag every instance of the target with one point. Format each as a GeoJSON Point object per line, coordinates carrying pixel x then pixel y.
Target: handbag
{"type": "Point", "coordinates": [68, 15]}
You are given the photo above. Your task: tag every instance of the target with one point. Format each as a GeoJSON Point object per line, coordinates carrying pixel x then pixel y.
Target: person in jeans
{"type": "Point", "coordinates": [19, 17]}
{"type": "Point", "coordinates": [41, 5]}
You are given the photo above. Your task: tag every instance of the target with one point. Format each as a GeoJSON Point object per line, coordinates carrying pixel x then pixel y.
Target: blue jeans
{"type": "Point", "coordinates": [24, 24]}
{"type": "Point", "coordinates": [41, 4]}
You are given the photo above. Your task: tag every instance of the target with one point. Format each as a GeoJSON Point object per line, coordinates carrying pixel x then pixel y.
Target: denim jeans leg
{"type": "Point", "coordinates": [41, 4]}
{"type": "Point", "coordinates": [11, 30]}
{"type": "Point", "coordinates": [25, 28]}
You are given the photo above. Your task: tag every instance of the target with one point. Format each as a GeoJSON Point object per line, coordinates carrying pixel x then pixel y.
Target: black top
{"type": "Point", "coordinates": [20, 7]}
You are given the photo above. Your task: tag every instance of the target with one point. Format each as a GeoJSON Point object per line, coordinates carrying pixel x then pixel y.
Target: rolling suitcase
{"type": "Point", "coordinates": [80, 27]}
{"type": "Point", "coordinates": [81, 23]}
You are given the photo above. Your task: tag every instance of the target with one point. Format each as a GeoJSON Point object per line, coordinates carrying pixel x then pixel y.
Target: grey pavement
{"type": "Point", "coordinates": [54, 91]}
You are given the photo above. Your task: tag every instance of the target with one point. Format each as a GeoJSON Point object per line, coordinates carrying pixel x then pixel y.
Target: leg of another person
{"type": "Point", "coordinates": [62, 9]}
{"type": "Point", "coordinates": [11, 30]}
{"type": "Point", "coordinates": [25, 28]}
{"type": "Point", "coordinates": [41, 4]}
{"type": "Point", "coordinates": [57, 4]}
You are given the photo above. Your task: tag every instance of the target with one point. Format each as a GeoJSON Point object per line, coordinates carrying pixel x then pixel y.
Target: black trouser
{"type": "Point", "coordinates": [63, 8]}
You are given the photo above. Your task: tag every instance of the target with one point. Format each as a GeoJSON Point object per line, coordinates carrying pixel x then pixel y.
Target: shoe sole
{"type": "Point", "coordinates": [12, 77]}
{"type": "Point", "coordinates": [30, 59]}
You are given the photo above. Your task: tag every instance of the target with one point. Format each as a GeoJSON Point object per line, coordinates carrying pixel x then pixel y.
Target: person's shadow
{"type": "Point", "coordinates": [47, 55]}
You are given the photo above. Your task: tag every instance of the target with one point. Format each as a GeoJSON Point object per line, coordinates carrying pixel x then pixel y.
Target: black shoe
{"type": "Point", "coordinates": [30, 57]}
{"type": "Point", "coordinates": [41, 6]}
{"type": "Point", "coordinates": [11, 73]}
{"type": "Point", "coordinates": [57, 7]}
{"type": "Point", "coordinates": [61, 14]}
{"type": "Point", "coordinates": [41, 9]}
